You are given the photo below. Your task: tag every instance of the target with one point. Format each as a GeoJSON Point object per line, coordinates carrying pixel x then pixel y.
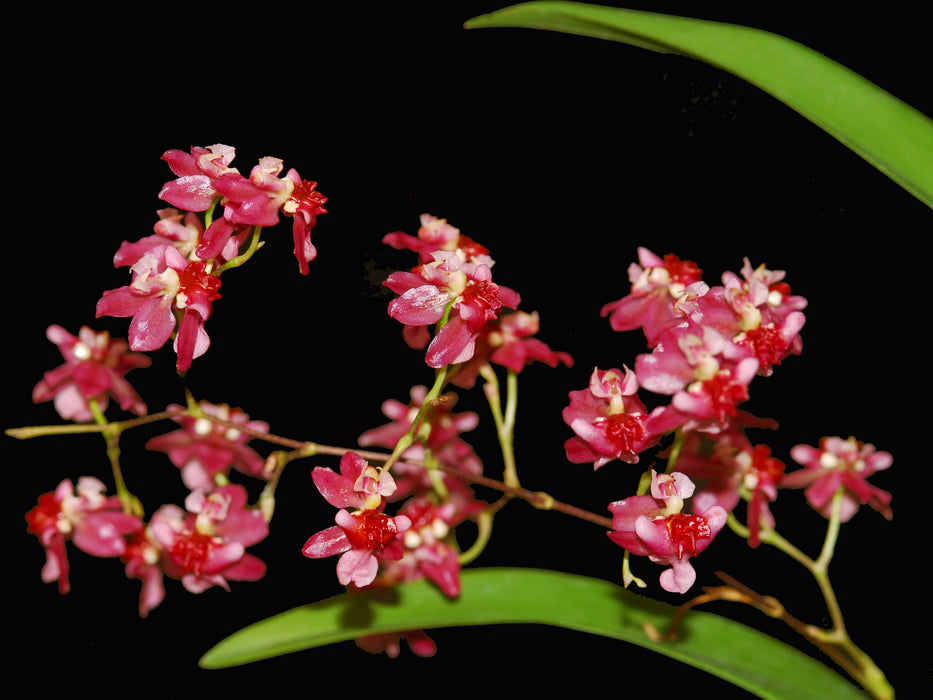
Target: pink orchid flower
{"type": "Point", "coordinates": [362, 533]}
{"type": "Point", "coordinates": [429, 550]}
{"type": "Point", "coordinates": [143, 561]}
{"type": "Point", "coordinates": [203, 449]}
{"type": "Point", "coordinates": [205, 544]}
{"type": "Point", "coordinates": [659, 286]}
{"type": "Point", "coordinates": [94, 369]}
{"type": "Point", "coordinates": [197, 170]}
{"type": "Point", "coordinates": [469, 293]}
{"type": "Point", "coordinates": [508, 341]}
{"type": "Point", "coordinates": [840, 464]}
{"type": "Point", "coordinates": [82, 514]}
{"type": "Point", "coordinates": [655, 526]}
{"type": "Point", "coordinates": [165, 282]}
{"type": "Point", "coordinates": [258, 200]}
{"type": "Point", "coordinates": [608, 420]}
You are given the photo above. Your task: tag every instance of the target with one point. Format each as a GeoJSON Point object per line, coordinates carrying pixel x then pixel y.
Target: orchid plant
{"type": "Point", "coordinates": [672, 416]}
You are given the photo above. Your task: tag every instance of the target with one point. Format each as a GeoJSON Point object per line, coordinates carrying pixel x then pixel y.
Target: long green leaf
{"type": "Point", "coordinates": [891, 135]}
{"type": "Point", "coordinates": [734, 652]}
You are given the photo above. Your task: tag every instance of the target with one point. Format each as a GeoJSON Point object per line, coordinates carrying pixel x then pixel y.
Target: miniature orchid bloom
{"type": "Point", "coordinates": [710, 460]}
{"type": "Point", "coordinates": [156, 279]}
{"type": "Point", "coordinates": [445, 424]}
{"type": "Point", "coordinates": [364, 532]}
{"type": "Point", "coordinates": [513, 346]}
{"type": "Point", "coordinates": [204, 449]}
{"type": "Point", "coordinates": [304, 206]}
{"type": "Point", "coordinates": [469, 296]}
{"type": "Point", "coordinates": [756, 313]}
{"type": "Point", "coordinates": [699, 369]}
{"type": "Point", "coordinates": [196, 294]}
{"type": "Point", "coordinates": [436, 234]}
{"type": "Point", "coordinates": [413, 477]}
{"type": "Point", "coordinates": [255, 200]}
{"type": "Point", "coordinates": [165, 282]}
{"type": "Point", "coordinates": [205, 544]}
{"type": "Point", "coordinates": [761, 476]}
{"type": "Point", "coordinates": [358, 485]}
{"type": "Point", "coordinates": [453, 284]}
{"type": "Point", "coordinates": [429, 544]}
{"type": "Point", "coordinates": [193, 189]}
{"type": "Point", "coordinates": [508, 341]}
{"type": "Point", "coordinates": [185, 231]}
{"type": "Point", "coordinates": [608, 419]}
{"type": "Point", "coordinates": [143, 559]}
{"type": "Point", "coordinates": [182, 230]}
{"type": "Point", "coordinates": [780, 302]}
{"type": "Point", "coordinates": [727, 468]}
{"type": "Point", "coordinates": [659, 287]}
{"type": "Point", "coordinates": [82, 514]}
{"type": "Point", "coordinates": [840, 464]}
{"type": "Point", "coordinates": [439, 432]}
{"type": "Point", "coordinates": [94, 369]}
{"type": "Point", "coordinates": [655, 526]}
{"type": "Point", "coordinates": [258, 200]}
{"type": "Point", "coordinates": [357, 537]}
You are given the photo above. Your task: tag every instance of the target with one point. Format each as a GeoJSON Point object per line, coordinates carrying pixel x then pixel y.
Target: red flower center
{"type": "Point", "coordinates": [725, 395]}
{"type": "Point", "coordinates": [484, 294]}
{"type": "Point", "coordinates": [686, 530]}
{"type": "Point", "coordinates": [767, 343]}
{"type": "Point", "coordinates": [373, 530]}
{"type": "Point", "coordinates": [625, 431]}
{"type": "Point", "coordinates": [195, 283]}
{"type": "Point", "coordinates": [682, 271]}
{"type": "Point", "coordinates": [768, 469]}
{"type": "Point", "coordinates": [44, 516]}
{"type": "Point", "coordinates": [191, 550]}
{"type": "Point", "coordinates": [305, 199]}
{"type": "Point", "coordinates": [471, 248]}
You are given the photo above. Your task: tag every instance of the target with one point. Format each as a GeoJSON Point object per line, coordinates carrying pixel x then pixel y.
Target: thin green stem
{"type": "Point", "coordinates": [508, 438]}
{"type": "Point", "coordinates": [484, 526]}
{"type": "Point", "coordinates": [676, 446]}
{"type": "Point", "coordinates": [254, 245]}
{"type": "Point", "coordinates": [504, 421]}
{"type": "Point", "coordinates": [856, 662]}
{"type": "Point", "coordinates": [832, 532]}
{"type": "Point", "coordinates": [429, 402]}
{"type": "Point", "coordinates": [209, 214]}
{"type": "Point", "coordinates": [33, 431]}
{"type": "Point", "coordinates": [818, 567]}
{"type": "Point", "coordinates": [111, 433]}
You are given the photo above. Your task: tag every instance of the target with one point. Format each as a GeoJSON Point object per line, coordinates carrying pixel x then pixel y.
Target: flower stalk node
{"type": "Point", "coordinates": [543, 501]}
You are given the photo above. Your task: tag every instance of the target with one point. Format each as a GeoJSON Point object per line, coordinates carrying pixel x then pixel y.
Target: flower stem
{"type": "Point", "coordinates": [484, 525]}
{"type": "Point", "coordinates": [254, 245]}
{"type": "Point", "coordinates": [33, 431]}
{"type": "Point", "coordinates": [111, 433]}
{"type": "Point", "coordinates": [430, 399]}
{"type": "Point", "coordinates": [835, 639]}
{"type": "Point", "coordinates": [505, 422]}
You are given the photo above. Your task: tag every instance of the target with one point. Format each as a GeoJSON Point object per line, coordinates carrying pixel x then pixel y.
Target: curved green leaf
{"type": "Point", "coordinates": [891, 135]}
{"type": "Point", "coordinates": [732, 651]}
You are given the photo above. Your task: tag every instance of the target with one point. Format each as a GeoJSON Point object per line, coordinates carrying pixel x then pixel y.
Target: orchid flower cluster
{"type": "Point", "coordinates": [176, 271]}
{"type": "Point", "coordinates": [403, 491]}
{"type": "Point", "coordinates": [175, 278]}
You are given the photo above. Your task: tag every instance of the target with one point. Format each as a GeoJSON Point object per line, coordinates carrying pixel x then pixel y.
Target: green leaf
{"type": "Point", "coordinates": [732, 651]}
{"type": "Point", "coordinates": [891, 135]}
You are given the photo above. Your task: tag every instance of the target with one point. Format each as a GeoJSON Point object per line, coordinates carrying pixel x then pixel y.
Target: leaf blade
{"type": "Point", "coordinates": [894, 137]}
{"type": "Point", "coordinates": [491, 596]}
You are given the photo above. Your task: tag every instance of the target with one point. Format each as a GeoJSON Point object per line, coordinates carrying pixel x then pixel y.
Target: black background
{"type": "Point", "coordinates": [562, 155]}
